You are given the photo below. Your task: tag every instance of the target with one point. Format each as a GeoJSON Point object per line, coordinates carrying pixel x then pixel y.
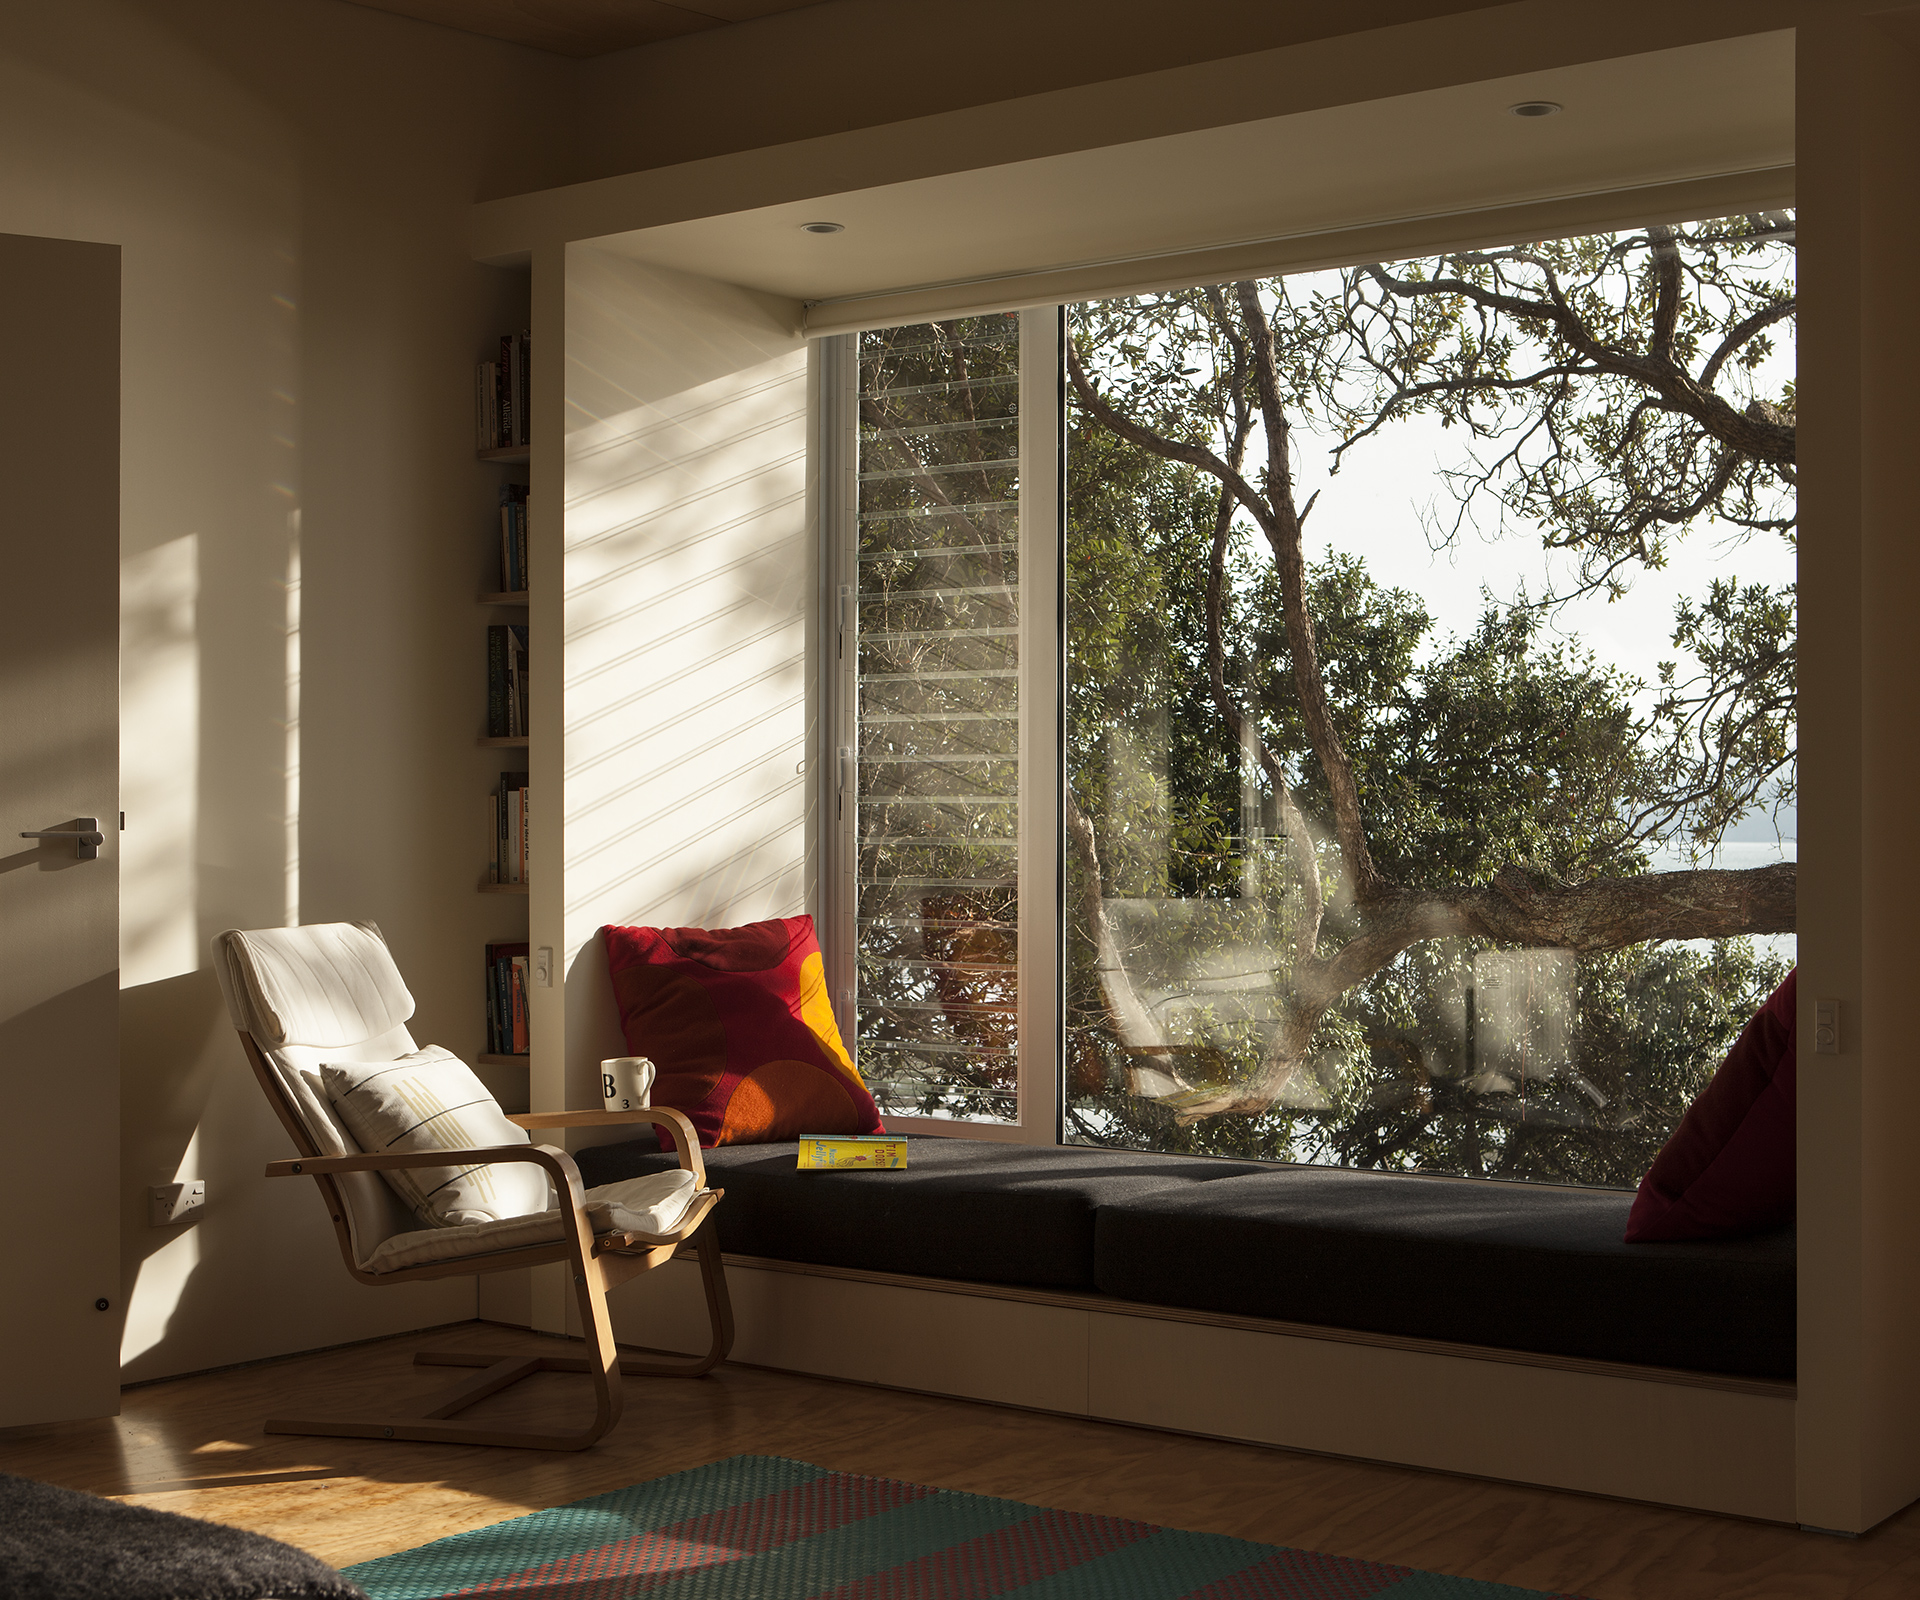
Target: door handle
{"type": "Point", "coordinates": [87, 838]}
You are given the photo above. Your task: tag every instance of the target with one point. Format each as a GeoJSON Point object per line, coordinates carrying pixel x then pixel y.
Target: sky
{"type": "Point", "coordinates": [1373, 508]}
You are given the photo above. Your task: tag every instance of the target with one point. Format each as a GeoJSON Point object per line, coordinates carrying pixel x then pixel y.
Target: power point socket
{"type": "Point", "coordinates": [177, 1202]}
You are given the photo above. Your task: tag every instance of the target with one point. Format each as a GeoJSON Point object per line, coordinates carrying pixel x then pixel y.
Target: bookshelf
{"type": "Point", "coordinates": [502, 395]}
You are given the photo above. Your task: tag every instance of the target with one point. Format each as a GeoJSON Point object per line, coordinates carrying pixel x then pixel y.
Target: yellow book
{"type": "Point", "coordinates": [849, 1151]}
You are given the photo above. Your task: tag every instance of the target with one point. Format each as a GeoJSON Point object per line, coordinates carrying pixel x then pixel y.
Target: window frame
{"type": "Point", "coordinates": [1042, 690]}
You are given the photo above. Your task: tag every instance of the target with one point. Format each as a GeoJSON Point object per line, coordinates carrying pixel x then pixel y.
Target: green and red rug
{"type": "Point", "coordinates": [763, 1528]}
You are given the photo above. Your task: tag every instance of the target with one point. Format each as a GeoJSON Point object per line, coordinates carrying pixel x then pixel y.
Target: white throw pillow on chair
{"type": "Point", "coordinates": [431, 1100]}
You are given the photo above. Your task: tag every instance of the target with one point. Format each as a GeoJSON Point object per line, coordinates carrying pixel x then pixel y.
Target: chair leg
{"type": "Point", "coordinates": [713, 1278]}
{"type": "Point", "coordinates": [603, 1362]}
{"type": "Point", "coordinates": [434, 1425]}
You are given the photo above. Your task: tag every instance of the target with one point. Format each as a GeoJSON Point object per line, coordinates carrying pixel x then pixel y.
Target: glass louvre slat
{"type": "Point", "coordinates": [937, 430]}
{"type": "Point", "coordinates": [938, 550]}
{"type": "Point", "coordinates": [937, 679]}
{"type": "Point", "coordinates": [939, 469]}
{"type": "Point", "coordinates": [967, 509]}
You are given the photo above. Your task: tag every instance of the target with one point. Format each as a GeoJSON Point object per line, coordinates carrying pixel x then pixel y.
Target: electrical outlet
{"type": "Point", "coordinates": [177, 1202]}
{"type": "Point", "coordinates": [543, 967]}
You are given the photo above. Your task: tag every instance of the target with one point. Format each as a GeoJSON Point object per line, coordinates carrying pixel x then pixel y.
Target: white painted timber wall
{"type": "Point", "coordinates": [689, 572]}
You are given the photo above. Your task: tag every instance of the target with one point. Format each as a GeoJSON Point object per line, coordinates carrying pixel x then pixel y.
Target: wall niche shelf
{"type": "Point", "coordinates": [506, 597]}
{"type": "Point", "coordinates": [503, 888]}
{"type": "Point", "coordinates": [487, 1060]}
{"type": "Point", "coordinates": [519, 742]}
{"type": "Point", "coordinates": [506, 452]}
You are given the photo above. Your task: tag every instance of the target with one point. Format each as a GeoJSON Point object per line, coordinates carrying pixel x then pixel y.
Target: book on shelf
{"type": "Point", "coordinates": [517, 991]}
{"type": "Point", "coordinates": [507, 1031]}
{"type": "Point", "coordinates": [513, 538]}
{"type": "Point", "coordinates": [507, 807]}
{"type": "Point", "coordinates": [506, 680]}
{"type": "Point", "coordinates": [503, 391]}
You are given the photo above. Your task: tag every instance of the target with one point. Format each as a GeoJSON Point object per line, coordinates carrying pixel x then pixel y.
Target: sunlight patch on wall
{"type": "Point", "coordinates": [163, 1277]}
{"type": "Point", "coordinates": [292, 722]}
{"type": "Point", "coordinates": [159, 741]}
{"type": "Point", "coordinates": [688, 575]}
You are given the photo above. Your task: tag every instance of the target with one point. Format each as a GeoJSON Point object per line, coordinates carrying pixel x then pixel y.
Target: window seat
{"type": "Point", "coordinates": [963, 1208]}
{"type": "Point", "coordinates": [1510, 1266]}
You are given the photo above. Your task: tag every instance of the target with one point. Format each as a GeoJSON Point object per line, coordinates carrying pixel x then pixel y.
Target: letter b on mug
{"type": "Point", "coordinates": [625, 1082]}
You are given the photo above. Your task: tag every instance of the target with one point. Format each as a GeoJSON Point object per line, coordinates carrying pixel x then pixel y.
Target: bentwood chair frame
{"type": "Point", "coordinates": [595, 1264]}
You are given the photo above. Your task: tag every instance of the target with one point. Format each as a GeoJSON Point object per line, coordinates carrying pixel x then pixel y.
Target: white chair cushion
{"type": "Point", "coordinates": [327, 985]}
{"type": "Point", "coordinates": [431, 1100]}
{"type": "Point", "coordinates": [652, 1204]}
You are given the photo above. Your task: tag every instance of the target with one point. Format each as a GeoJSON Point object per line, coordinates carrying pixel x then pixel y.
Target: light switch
{"type": "Point", "coordinates": [1826, 1027]}
{"type": "Point", "coordinates": [543, 967]}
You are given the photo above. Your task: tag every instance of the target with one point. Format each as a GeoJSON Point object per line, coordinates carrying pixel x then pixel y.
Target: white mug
{"type": "Point", "coordinates": [625, 1082]}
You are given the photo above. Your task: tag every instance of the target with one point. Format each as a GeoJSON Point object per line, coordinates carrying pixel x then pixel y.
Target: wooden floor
{"type": "Point", "coordinates": [194, 1445]}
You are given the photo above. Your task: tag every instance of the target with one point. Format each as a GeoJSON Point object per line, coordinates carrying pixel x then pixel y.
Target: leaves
{"type": "Point", "coordinates": [1618, 393]}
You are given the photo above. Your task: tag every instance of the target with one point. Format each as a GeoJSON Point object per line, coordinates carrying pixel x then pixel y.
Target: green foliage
{"type": "Point", "coordinates": [1501, 747]}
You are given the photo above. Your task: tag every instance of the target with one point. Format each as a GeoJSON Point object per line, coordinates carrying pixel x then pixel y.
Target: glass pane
{"type": "Point", "coordinates": [937, 809]}
{"type": "Point", "coordinates": [1429, 624]}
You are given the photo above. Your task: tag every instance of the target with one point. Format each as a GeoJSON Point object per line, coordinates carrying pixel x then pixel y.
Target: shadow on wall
{"type": "Point", "coordinates": [161, 1107]}
{"type": "Point", "coordinates": [593, 1026]}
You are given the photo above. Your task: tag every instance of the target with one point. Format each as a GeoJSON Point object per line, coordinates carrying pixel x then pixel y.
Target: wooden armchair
{"type": "Point", "coordinates": [331, 993]}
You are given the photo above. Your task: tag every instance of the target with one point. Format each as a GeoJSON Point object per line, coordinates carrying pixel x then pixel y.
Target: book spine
{"type": "Point", "coordinates": [519, 972]}
{"type": "Point", "coordinates": [525, 397]}
{"type": "Point", "coordinates": [493, 838]}
{"type": "Point", "coordinates": [497, 647]}
{"type": "Point", "coordinates": [500, 841]}
{"type": "Point", "coordinates": [526, 836]}
{"type": "Point", "coordinates": [480, 406]}
{"type": "Point", "coordinates": [522, 651]}
{"type": "Point", "coordinates": [493, 1009]}
{"type": "Point", "coordinates": [505, 379]}
{"type": "Point", "coordinates": [506, 540]}
{"type": "Point", "coordinates": [513, 686]}
{"type": "Point", "coordinates": [515, 811]}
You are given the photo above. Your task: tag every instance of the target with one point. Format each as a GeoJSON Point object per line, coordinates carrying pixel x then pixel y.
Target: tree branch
{"type": "Point", "coordinates": [1751, 433]}
{"type": "Point", "coordinates": [1283, 534]}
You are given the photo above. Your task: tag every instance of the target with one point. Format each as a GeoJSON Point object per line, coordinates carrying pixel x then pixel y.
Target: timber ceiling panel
{"type": "Point", "coordinates": [584, 27]}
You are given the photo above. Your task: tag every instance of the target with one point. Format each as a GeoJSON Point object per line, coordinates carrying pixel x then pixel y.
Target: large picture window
{"type": "Point", "coordinates": [1422, 792]}
{"type": "Point", "coordinates": [1430, 756]}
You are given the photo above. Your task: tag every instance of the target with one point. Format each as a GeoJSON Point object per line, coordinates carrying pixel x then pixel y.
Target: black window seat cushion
{"type": "Point", "coordinates": [1517, 1266]}
{"type": "Point", "coordinates": [961, 1208]}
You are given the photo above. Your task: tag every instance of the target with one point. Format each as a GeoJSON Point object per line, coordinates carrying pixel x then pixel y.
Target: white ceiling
{"type": "Point", "coordinates": [1692, 112]}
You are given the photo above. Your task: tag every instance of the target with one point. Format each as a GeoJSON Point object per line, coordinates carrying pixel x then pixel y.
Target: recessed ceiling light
{"type": "Point", "coordinates": [1535, 108]}
{"type": "Point", "coordinates": [841, 227]}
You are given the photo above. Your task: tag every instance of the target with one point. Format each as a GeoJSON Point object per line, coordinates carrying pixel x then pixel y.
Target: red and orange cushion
{"type": "Point", "coordinates": [737, 1024]}
{"type": "Point", "coordinates": [1729, 1167]}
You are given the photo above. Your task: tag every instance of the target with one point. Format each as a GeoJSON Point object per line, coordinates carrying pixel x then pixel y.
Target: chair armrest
{"type": "Point", "coordinates": [686, 1142]}
{"type": "Point", "coordinates": [559, 1166]}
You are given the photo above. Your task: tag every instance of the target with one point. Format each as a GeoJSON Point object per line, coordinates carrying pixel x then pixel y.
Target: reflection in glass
{"type": "Point", "coordinates": [1430, 748]}
{"type": "Point", "coordinates": [937, 816]}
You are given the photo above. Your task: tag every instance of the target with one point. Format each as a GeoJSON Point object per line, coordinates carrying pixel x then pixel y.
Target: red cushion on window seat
{"type": "Point", "coordinates": [1729, 1167]}
{"type": "Point", "coordinates": [738, 1026]}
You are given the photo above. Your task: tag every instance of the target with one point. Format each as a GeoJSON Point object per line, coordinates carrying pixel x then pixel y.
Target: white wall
{"type": "Point", "coordinates": [303, 530]}
{"type": "Point", "coordinates": [689, 576]}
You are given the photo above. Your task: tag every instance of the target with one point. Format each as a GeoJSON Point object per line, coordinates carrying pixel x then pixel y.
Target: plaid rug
{"type": "Point", "coordinates": [763, 1528]}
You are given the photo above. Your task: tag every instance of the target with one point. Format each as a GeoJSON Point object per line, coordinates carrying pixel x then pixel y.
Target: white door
{"type": "Point", "coordinates": [59, 764]}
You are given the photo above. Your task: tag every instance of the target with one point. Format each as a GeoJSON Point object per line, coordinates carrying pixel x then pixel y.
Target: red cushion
{"type": "Point", "coordinates": [737, 1024]}
{"type": "Point", "coordinates": [1729, 1167]}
